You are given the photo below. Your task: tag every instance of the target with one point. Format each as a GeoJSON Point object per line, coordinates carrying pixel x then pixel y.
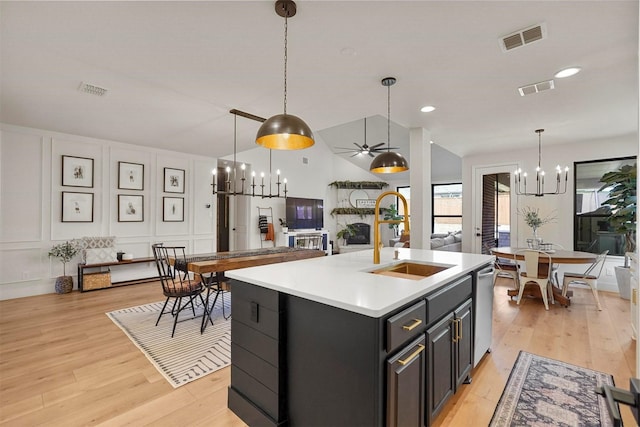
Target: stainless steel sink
{"type": "Point", "coordinates": [411, 270]}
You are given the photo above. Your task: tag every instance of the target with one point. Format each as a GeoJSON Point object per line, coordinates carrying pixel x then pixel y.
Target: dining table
{"type": "Point", "coordinates": [558, 256]}
{"type": "Point", "coordinates": [215, 264]}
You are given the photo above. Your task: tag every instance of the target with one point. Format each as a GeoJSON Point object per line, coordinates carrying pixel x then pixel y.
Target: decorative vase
{"type": "Point", "coordinates": [64, 284]}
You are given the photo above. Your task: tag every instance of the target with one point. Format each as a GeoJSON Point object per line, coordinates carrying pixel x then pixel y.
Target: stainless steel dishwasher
{"type": "Point", "coordinates": [483, 299]}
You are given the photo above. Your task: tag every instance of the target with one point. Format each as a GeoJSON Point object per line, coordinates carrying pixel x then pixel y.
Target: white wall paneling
{"type": "Point", "coordinates": [204, 246]}
{"type": "Point", "coordinates": [31, 204]}
{"type": "Point", "coordinates": [204, 218]}
{"type": "Point", "coordinates": [21, 160]}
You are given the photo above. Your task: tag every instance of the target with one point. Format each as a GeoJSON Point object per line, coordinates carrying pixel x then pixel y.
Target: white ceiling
{"type": "Point", "coordinates": [175, 69]}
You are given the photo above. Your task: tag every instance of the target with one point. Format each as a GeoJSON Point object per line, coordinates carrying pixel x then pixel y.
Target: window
{"type": "Point", "coordinates": [447, 208]}
{"type": "Point", "coordinates": [592, 229]}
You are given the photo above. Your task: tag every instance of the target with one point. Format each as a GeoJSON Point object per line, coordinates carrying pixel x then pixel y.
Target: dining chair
{"type": "Point", "coordinates": [216, 285]}
{"type": "Point", "coordinates": [176, 282]}
{"type": "Point", "coordinates": [588, 278]}
{"type": "Point", "coordinates": [504, 268]}
{"type": "Point", "coordinates": [554, 267]}
{"type": "Point", "coordinates": [537, 270]}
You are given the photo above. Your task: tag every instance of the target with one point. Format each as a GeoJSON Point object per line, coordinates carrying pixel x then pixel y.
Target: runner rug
{"type": "Point", "coordinates": [187, 356]}
{"type": "Point", "coordinates": [547, 392]}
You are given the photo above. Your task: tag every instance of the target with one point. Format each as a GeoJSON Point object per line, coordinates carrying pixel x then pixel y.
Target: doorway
{"type": "Point", "coordinates": [494, 208]}
{"type": "Point", "coordinates": [232, 217]}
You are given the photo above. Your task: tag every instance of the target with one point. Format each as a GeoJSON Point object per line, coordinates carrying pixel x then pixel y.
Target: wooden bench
{"type": "Point", "coordinates": [102, 279]}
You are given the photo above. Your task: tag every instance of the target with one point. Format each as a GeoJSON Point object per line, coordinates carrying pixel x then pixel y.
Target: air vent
{"type": "Point", "coordinates": [523, 37]}
{"type": "Point", "coordinates": [536, 87]}
{"type": "Point", "coordinates": [92, 89]}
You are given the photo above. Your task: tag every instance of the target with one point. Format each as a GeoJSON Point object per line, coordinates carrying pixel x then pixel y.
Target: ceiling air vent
{"type": "Point", "coordinates": [523, 37]}
{"type": "Point", "coordinates": [92, 89]}
{"type": "Point", "coordinates": [536, 87]}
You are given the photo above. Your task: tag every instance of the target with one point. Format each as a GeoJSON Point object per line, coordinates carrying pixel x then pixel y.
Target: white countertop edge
{"type": "Point", "coordinates": [343, 281]}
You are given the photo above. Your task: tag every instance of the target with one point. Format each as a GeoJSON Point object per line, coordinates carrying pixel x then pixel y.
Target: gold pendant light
{"type": "Point", "coordinates": [285, 131]}
{"type": "Point", "coordinates": [389, 161]}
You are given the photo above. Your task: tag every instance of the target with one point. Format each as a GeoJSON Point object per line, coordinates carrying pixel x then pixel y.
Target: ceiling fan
{"type": "Point", "coordinates": [364, 148]}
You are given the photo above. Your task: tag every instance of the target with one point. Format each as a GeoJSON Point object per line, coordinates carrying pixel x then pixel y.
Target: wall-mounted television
{"type": "Point", "coordinates": [305, 213]}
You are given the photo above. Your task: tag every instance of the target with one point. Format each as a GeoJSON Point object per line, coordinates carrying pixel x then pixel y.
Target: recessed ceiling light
{"type": "Point", "coordinates": [427, 108]}
{"type": "Point", "coordinates": [567, 72]}
{"type": "Point", "coordinates": [430, 142]}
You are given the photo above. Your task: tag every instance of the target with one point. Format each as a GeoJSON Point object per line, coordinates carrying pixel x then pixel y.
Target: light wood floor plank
{"type": "Point", "coordinates": [64, 363]}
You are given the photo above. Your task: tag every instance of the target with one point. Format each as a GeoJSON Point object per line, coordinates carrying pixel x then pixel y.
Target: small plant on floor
{"type": "Point", "coordinates": [65, 252]}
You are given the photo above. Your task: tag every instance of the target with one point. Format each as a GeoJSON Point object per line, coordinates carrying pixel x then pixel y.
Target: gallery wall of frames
{"type": "Point", "coordinates": [58, 187]}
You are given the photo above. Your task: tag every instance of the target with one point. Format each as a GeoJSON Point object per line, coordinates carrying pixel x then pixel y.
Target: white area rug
{"type": "Point", "coordinates": [187, 356]}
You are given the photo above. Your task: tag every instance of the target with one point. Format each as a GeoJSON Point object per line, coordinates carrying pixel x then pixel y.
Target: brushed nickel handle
{"type": "Point", "coordinates": [415, 324]}
{"type": "Point", "coordinates": [459, 329]}
{"type": "Point", "coordinates": [412, 355]}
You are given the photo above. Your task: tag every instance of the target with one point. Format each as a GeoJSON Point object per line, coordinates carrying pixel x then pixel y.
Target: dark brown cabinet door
{"type": "Point", "coordinates": [440, 363]}
{"type": "Point", "coordinates": [405, 386]}
{"type": "Point", "coordinates": [464, 342]}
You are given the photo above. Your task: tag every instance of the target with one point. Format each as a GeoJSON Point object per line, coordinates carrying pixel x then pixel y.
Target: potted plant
{"type": "Point", "coordinates": [391, 213]}
{"type": "Point", "coordinates": [284, 225]}
{"type": "Point", "coordinates": [533, 219]}
{"type": "Point", "coordinates": [346, 232]}
{"type": "Point", "coordinates": [65, 252]}
{"type": "Point", "coordinates": [622, 202]}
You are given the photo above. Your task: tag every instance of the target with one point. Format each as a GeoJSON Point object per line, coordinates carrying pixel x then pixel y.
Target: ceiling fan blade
{"type": "Point", "coordinates": [355, 154]}
{"type": "Point", "coordinates": [345, 148]}
{"type": "Point", "coordinates": [382, 149]}
{"type": "Point", "coordinates": [370, 154]}
{"type": "Point", "coordinates": [373, 147]}
{"type": "Point", "coordinates": [359, 146]}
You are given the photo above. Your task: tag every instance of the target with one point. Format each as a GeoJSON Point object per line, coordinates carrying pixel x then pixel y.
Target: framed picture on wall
{"type": "Point", "coordinates": [130, 208]}
{"type": "Point", "coordinates": [173, 209]}
{"type": "Point", "coordinates": [77, 171]}
{"type": "Point", "coordinates": [173, 180]}
{"type": "Point", "coordinates": [130, 176]}
{"type": "Point", "coordinates": [77, 207]}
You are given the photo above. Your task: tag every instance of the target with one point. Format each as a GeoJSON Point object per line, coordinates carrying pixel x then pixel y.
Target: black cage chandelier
{"type": "Point", "coordinates": [521, 178]}
{"type": "Point", "coordinates": [231, 175]}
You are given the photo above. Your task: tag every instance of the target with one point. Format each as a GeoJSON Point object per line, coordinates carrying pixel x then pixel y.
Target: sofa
{"type": "Point", "coordinates": [451, 242]}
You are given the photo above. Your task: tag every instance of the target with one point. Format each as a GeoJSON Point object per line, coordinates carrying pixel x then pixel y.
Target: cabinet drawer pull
{"type": "Point", "coordinates": [459, 328]}
{"type": "Point", "coordinates": [455, 329]}
{"type": "Point", "coordinates": [415, 324]}
{"type": "Point", "coordinates": [412, 356]}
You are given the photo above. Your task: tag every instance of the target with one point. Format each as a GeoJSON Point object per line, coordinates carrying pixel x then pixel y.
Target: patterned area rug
{"type": "Point", "coordinates": [187, 356]}
{"type": "Point", "coordinates": [547, 392]}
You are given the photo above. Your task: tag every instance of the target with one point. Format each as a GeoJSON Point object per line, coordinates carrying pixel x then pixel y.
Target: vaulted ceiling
{"type": "Point", "coordinates": [173, 70]}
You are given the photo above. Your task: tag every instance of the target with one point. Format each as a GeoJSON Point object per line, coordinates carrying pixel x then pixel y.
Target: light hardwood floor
{"type": "Point", "coordinates": [64, 363]}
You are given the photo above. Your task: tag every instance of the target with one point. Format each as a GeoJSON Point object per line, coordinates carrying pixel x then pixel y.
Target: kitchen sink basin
{"type": "Point", "coordinates": [411, 270]}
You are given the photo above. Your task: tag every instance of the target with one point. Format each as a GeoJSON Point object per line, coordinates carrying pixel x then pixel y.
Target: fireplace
{"type": "Point", "coordinates": [362, 236]}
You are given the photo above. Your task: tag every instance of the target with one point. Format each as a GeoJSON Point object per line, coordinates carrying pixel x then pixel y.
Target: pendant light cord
{"type": "Point", "coordinates": [285, 60]}
{"type": "Point", "coordinates": [388, 118]}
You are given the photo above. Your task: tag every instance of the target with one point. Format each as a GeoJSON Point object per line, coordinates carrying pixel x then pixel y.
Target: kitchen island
{"type": "Point", "coordinates": [327, 342]}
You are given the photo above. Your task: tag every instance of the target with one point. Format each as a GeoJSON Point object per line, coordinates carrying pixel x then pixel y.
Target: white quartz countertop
{"type": "Point", "coordinates": [344, 281]}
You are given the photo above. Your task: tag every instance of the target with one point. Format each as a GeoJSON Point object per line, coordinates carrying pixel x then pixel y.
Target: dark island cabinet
{"type": "Point", "coordinates": [449, 357]}
{"type": "Point", "coordinates": [298, 362]}
{"type": "Point", "coordinates": [406, 385]}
